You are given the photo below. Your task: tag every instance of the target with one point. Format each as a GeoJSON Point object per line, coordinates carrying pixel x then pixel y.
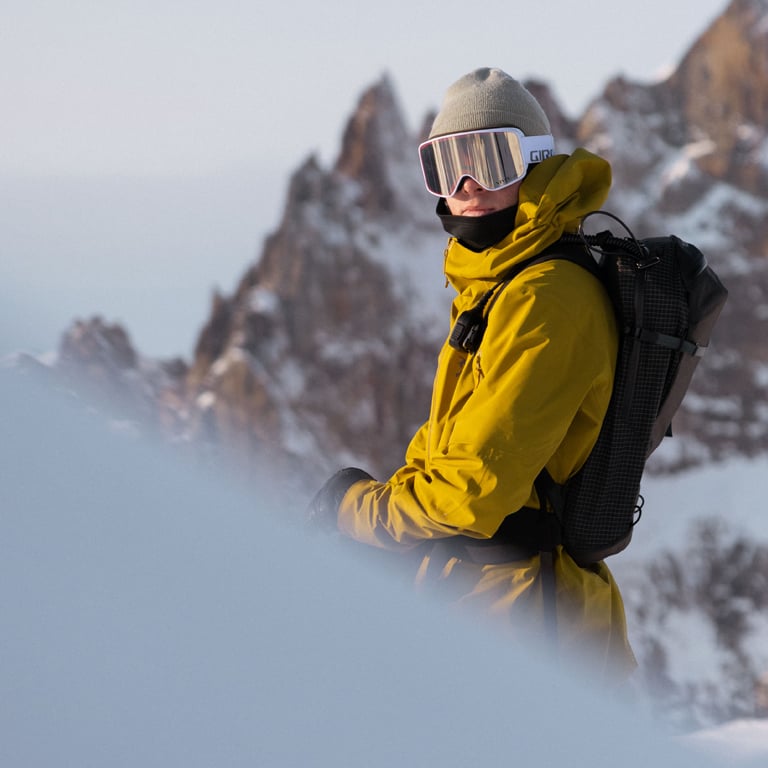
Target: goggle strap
{"type": "Point", "coordinates": [537, 148]}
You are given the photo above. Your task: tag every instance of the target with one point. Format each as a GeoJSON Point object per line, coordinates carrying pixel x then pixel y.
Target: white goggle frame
{"type": "Point", "coordinates": [494, 157]}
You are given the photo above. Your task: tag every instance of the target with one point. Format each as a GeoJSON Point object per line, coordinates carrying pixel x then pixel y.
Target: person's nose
{"type": "Point", "coordinates": [469, 186]}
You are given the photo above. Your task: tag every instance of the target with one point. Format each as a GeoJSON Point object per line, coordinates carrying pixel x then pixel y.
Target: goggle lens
{"type": "Point", "coordinates": [495, 158]}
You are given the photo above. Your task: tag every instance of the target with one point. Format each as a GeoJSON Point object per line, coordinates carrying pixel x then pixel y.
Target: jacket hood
{"type": "Point", "coordinates": [554, 197]}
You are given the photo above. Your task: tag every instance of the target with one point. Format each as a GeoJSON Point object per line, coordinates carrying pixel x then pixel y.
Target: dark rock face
{"type": "Point", "coordinates": [316, 351]}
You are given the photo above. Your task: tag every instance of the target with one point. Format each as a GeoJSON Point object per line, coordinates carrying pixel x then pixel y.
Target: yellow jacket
{"type": "Point", "coordinates": [534, 395]}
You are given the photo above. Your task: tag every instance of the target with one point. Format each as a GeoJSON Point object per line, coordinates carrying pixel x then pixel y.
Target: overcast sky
{"type": "Point", "coordinates": [152, 140]}
{"type": "Point", "coordinates": [93, 86]}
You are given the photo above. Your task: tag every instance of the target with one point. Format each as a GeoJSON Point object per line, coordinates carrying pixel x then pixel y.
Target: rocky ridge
{"type": "Point", "coordinates": [324, 352]}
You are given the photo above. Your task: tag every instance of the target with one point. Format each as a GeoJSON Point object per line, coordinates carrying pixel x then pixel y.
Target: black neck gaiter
{"type": "Point", "coordinates": [477, 232]}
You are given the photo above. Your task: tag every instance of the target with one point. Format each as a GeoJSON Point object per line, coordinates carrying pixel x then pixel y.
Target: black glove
{"type": "Point", "coordinates": [324, 507]}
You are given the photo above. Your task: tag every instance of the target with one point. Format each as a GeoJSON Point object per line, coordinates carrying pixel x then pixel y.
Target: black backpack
{"type": "Point", "coordinates": [667, 300]}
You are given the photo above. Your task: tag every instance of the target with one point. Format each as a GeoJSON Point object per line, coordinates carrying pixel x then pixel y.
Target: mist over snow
{"type": "Point", "coordinates": [157, 614]}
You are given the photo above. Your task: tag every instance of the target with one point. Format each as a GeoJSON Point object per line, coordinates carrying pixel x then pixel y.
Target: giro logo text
{"type": "Point", "coordinates": [540, 154]}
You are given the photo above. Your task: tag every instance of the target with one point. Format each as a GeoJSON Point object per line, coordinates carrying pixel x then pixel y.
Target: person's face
{"type": "Point", "coordinates": [473, 200]}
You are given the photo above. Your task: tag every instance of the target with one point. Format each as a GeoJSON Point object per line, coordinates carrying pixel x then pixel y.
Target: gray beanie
{"type": "Point", "coordinates": [489, 98]}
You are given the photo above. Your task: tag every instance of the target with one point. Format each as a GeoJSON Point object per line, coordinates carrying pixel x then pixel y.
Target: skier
{"type": "Point", "coordinates": [532, 395]}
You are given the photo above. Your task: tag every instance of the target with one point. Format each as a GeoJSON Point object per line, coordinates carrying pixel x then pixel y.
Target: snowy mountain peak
{"type": "Point", "coordinates": [721, 90]}
{"type": "Point", "coordinates": [376, 130]}
{"type": "Point", "coordinates": [379, 154]}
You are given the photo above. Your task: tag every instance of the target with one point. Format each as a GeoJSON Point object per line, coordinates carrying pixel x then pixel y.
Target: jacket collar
{"type": "Point", "coordinates": [554, 197]}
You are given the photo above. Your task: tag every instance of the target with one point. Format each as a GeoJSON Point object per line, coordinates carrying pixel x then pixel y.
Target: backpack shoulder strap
{"type": "Point", "coordinates": [470, 326]}
{"type": "Point", "coordinates": [573, 250]}
{"type": "Point", "coordinates": [565, 249]}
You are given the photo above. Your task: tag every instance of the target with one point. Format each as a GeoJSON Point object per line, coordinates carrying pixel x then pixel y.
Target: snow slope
{"type": "Point", "coordinates": [739, 742]}
{"type": "Point", "coordinates": [732, 491]}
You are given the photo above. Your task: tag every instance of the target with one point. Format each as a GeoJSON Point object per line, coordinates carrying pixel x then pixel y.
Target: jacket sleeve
{"type": "Point", "coordinates": [535, 394]}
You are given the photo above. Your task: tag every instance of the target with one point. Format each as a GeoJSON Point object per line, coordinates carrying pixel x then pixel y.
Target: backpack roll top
{"type": "Point", "coordinates": [706, 297]}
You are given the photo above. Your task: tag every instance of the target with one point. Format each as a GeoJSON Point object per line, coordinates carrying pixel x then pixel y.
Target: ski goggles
{"type": "Point", "coordinates": [494, 157]}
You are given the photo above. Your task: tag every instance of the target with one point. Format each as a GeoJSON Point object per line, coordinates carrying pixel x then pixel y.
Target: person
{"type": "Point", "coordinates": [532, 395]}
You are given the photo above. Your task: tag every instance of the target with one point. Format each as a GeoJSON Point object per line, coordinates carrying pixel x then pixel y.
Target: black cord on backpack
{"type": "Point", "coordinates": [604, 241]}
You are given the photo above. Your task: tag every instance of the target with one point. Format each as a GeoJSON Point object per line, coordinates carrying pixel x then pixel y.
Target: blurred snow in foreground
{"type": "Point", "coordinates": [156, 615]}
